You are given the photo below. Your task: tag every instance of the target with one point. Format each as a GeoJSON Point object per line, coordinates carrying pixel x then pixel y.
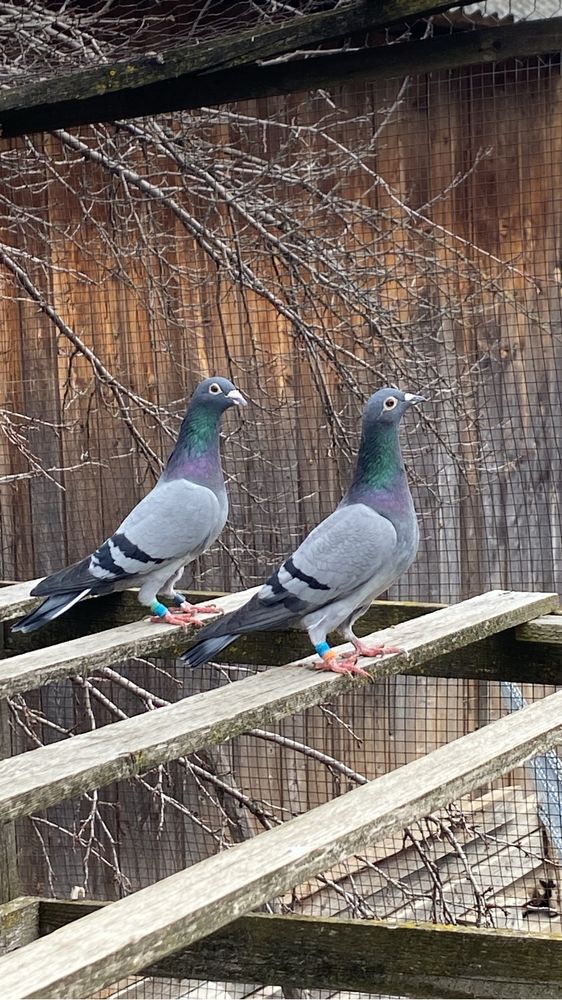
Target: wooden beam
{"type": "Point", "coordinates": [9, 875]}
{"type": "Point", "coordinates": [16, 600]}
{"type": "Point", "coordinates": [50, 774]}
{"type": "Point", "coordinates": [81, 656]}
{"type": "Point", "coordinates": [363, 955]}
{"type": "Point", "coordinates": [19, 923]}
{"type": "Point", "coordinates": [102, 613]}
{"type": "Point", "coordinates": [547, 629]}
{"type": "Point", "coordinates": [495, 658]}
{"type": "Point", "coordinates": [188, 77]}
{"type": "Point", "coordinates": [150, 85]}
{"type": "Point", "coordinates": [90, 615]}
{"type": "Point", "coordinates": [143, 928]}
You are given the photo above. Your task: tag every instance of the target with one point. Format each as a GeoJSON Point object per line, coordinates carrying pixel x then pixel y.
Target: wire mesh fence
{"type": "Point", "coordinates": [312, 248]}
{"type": "Point", "coordinates": [133, 833]}
{"type": "Point", "coordinates": [490, 859]}
{"type": "Point", "coordinates": [42, 39]}
{"type": "Point", "coordinates": [160, 988]}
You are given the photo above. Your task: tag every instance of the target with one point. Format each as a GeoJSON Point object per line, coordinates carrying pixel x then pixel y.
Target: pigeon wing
{"type": "Point", "coordinates": [352, 546]}
{"type": "Point", "coordinates": [177, 519]}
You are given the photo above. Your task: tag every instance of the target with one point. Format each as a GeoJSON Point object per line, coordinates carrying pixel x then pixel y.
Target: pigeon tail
{"type": "Point", "coordinates": [206, 649]}
{"type": "Point", "coordinates": [46, 612]}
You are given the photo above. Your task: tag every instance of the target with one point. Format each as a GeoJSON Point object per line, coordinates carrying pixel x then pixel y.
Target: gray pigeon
{"type": "Point", "coordinates": [347, 560]}
{"type": "Point", "coordinates": [177, 521]}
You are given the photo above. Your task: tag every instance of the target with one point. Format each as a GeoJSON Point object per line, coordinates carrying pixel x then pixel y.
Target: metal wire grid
{"type": "Point", "coordinates": [313, 250]}
{"type": "Point", "coordinates": [136, 832]}
{"type": "Point", "coordinates": [40, 40]}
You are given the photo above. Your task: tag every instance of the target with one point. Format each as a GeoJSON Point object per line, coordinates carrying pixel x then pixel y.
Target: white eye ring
{"type": "Point", "coordinates": [214, 388]}
{"type": "Point", "coordinates": [390, 403]}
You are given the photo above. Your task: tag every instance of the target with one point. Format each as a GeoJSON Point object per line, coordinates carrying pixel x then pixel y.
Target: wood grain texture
{"type": "Point", "coordinates": [16, 599]}
{"type": "Point", "coordinates": [547, 628]}
{"type": "Point", "coordinates": [52, 773]}
{"type": "Point", "coordinates": [144, 85]}
{"type": "Point", "coordinates": [163, 918]}
{"type": "Point", "coordinates": [125, 90]}
{"type": "Point", "coordinates": [19, 923]}
{"type": "Point", "coordinates": [110, 611]}
{"type": "Point", "coordinates": [81, 656]}
{"type": "Point", "coordinates": [368, 956]}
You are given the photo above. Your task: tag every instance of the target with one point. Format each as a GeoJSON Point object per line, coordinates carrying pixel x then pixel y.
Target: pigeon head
{"type": "Point", "coordinates": [216, 394]}
{"type": "Point", "coordinates": [388, 406]}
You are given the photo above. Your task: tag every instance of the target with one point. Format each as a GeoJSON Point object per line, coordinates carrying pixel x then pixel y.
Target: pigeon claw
{"type": "Point", "coordinates": [377, 650]}
{"type": "Point", "coordinates": [200, 609]}
{"type": "Point", "coordinates": [178, 619]}
{"type": "Point", "coordinates": [340, 665]}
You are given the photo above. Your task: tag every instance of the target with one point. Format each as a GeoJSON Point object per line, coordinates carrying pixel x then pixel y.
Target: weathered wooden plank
{"type": "Point", "coordinates": [547, 628]}
{"type": "Point", "coordinates": [334, 953]}
{"type": "Point", "coordinates": [9, 878]}
{"type": "Point", "coordinates": [81, 656]}
{"type": "Point", "coordinates": [107, 612]}
{"type": "Point", "coordinates": [102, 612]}
{"type": "Point", "coordinates": [16, 600]}
{"type": "Point", "coordinates": [494, 660]}
{"type": "Point", "coordinates": [193, 90]}
{"type": "Point", "coordinates": [55, 913]}
{"type": "Point", "coordinates": [499, 658]}
{"type": "Point", "coordinates": [52, 773]}
{"type": "Point", "coordinates": [152, 88]}
{"type": "Point", "coordinates": [143, 928]}
{"type": "Point", "coordinates": [145, 85]}
{"type": "Point", "coordinates": [19, 923]}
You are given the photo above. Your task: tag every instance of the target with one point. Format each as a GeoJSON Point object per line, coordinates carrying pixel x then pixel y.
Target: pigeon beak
{"type": "Point", "coordinates": [237, 397]}
{"type": "Point", "coordinates": [410, 397]}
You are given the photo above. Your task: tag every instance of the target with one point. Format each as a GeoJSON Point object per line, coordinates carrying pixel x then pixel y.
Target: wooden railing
{"type": "Point", "coordinates": [124, 937]}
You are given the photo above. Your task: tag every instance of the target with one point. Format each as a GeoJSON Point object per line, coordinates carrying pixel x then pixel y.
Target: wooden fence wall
{"type": "Point", "coordinates": [406, 234]}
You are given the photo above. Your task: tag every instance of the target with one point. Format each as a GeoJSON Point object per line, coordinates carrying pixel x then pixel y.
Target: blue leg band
{"type": "Point", "coordinates": [178, 600]}
{"type": "Point", "coordinates": [158, 609]}
{"type": "Point", "coordinates": [322, 648]}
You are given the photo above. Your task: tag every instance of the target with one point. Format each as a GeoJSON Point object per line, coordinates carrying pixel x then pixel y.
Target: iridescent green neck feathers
{"type": "Point", "coordinates": [196, 454]}
{"type": "Point", "coordinates": [379, 462]}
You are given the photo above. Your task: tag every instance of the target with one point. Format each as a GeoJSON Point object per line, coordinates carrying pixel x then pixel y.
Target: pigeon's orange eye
{"type": "Point", "coordinates": [390, 403]}
{"type": "Point", "coordinates": [214, 388]}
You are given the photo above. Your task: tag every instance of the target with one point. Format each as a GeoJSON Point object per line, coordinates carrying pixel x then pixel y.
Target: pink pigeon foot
{"type": "Point", "coordinates": [188, 614]}
{"type": "Point", "coordinates": [176, 619]}
{"type": "Point", "coordinates": [346, 664]}
{"type": "Point", "coordinates": [363, 650]}
{"type": "Point", "coordinates": [200, 609]}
